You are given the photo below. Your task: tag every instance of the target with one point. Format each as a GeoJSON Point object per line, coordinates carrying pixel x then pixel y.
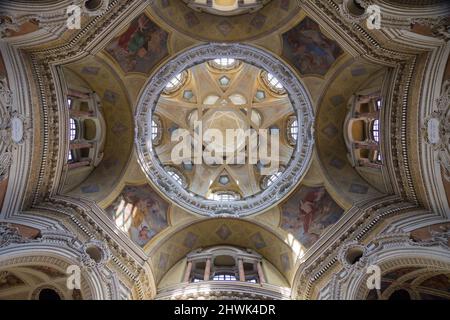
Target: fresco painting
{"type": "Point", "coordinates": [308, 213]}
{"type": "Point", "coordinates": [140, 47]}
{"type": "Point", "coordinates": [309, 50]}
{"type": "Point", "coordinates": [140, 212]}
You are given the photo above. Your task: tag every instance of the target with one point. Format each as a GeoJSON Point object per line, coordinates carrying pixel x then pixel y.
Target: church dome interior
{"type": "Point", "coordinates": [224, 150]}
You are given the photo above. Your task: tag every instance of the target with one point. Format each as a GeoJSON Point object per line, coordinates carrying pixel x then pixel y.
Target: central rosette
{"type": "Point", "coordinates": [232, 126]}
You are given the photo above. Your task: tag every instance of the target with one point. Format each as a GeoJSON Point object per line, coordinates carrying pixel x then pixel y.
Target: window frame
{"type": "Point", "coordinates": [224, 277]}
{"type": "Point", "coordinates": [292, 136]}
{"type": "Point", "coordinates": [177, 176]}
{"type": "Point", "coordinates": [73, 129]}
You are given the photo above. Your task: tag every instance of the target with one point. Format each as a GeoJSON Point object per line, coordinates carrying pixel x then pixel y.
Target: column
{"type": "Point", "coordinates": [187, 275]}
{"type": "Point", "coordinates": [207, 269]}
{"type": "Point", "coordinates": [260, 273]}
{"type": "Point", "coordinates": [241, 270]}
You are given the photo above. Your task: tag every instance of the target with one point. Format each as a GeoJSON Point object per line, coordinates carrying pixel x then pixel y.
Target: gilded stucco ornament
{"type": "Point", "coordinates": [353, 16]}
{"type": "Point", "coordinates": [439, 25]}
{"type": "Point", "coordinates": [95, 253]}
{"type": "Point", "coordinates": [436, 130]}
{"type": "Point", "coordinates": [10, 235]}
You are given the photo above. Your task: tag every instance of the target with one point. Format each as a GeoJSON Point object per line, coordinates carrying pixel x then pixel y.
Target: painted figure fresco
{"type": "Point", "coordinates": [308, 213]}
{"type": "Point", "coordinates": [141, 47]}
{"type": "Point", "coordinates": [140, 212]}
{"type": "Point", "coordinates": [309, 49]}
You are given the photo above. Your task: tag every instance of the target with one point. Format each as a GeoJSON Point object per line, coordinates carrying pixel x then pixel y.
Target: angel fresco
{"type": "Point", "coordinates": [140, 47]}
{"type": "Point", "coordinates": [308, 213]}
{"type": "Point", "coordinates": [140, 212]}
{"type": "Point", "coordinates": [309, 49]}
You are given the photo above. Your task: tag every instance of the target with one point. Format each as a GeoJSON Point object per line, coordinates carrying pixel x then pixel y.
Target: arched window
{"type": "Point", "coordinates": [273, 83]}
{"type": "Point", "coordinates": [238, 99]}
{"type": "Point", "coordinates": [273, 178]}
{"type": "Point", "coordinates": [175, 83]}
{"type": "Point", "coordinates": [48, 294]}
{"type": "Point", "coordinates": [376, 130]}
{"type": "Point", "coordinates": [292, 130]}
{"type": "Point", "coordinates": [224, 277]}
{"type": "Point", "coordinates": [156, 130]}
{"type": "Point", "coordinates": [72, 129]}
{"type": "Point", "coordinates": [177, 176]}
{"type": "Point", "coordinates": [85, 128]}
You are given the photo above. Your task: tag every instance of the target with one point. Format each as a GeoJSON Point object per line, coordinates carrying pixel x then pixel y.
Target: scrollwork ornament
{"type": "Point", "coordinates": [436, 130]}
{"type": "Point", "coordinates": [14, 128]}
